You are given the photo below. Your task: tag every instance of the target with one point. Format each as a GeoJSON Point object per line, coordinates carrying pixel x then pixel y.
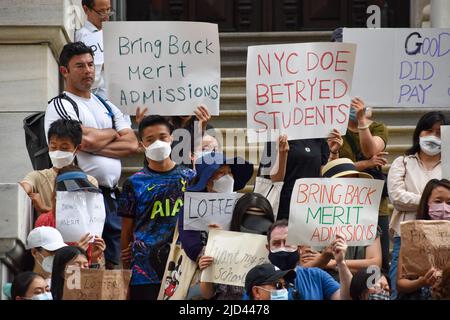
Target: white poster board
{"type": "Point", "coordinates": [204, 208]}
{"type": "Point", "coordinates": [169, 67]}
{"type": "Point", "coordinates": [78, 213]}
{"type": "Point", "coordinates": [299, 89]}
{"type": "Point", "coordinates": [234, 253]}
{"type": "Point", "coordinates": [95, 41]}
{"type": "Point", "coordinates": [323, 207]}
{"type": "Point", "coordinates": [445, 151]}
{"type": "Point", "coordinates": [401, 67]}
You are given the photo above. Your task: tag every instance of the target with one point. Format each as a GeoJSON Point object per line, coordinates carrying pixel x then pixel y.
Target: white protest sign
{"type": "Point", "coordinates": [234, 253]}
{"type": "Point", "coordinates": [445, 151]}
{"type": "Point", "coordinates": [78, 213]}
{"type": "Point", "coordinates": [401, 67]}
{"type": "Point", "coordinates": [204, 208]}
{"type": "Point", "coordinates": [323, 207]}
{"type": "Point", "coordinates": [95, 41]}
{"type": "Point", "coordinates": [300, 89]}
{"type": "Point", "coordinates": [170, 67]}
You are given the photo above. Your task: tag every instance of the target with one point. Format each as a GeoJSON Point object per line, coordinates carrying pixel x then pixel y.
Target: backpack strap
{"type": "Point", "coordinates": [108, 107]}
{"type": "Point", "coordinates": [59, 106]}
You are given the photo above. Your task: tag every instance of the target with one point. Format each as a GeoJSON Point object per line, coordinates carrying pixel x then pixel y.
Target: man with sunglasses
{"type": "Point", "coordinates": [268, 282]}
{"type": "Point", "coordinates": [97, 12]}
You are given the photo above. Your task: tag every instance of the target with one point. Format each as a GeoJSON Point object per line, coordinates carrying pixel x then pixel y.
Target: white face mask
{"type": "Point", "coordinates": [430, 145]}
{"type": "Point", "coordinates": [224, 184]}
{"type": "Point", "coordinates": [47, 263]}
{"type": "Point", "coordinates": [43, 296]}
{"type": "Point", "coordinates": [158, 151]}
{"type": "Point", "coordinates": [61, 159]}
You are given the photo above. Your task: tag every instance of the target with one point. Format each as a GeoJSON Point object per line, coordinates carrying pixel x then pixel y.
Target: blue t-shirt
{"type": "Point", "coordinates": [315, 284]}
{"type": "Point", "coordinates": [153, 200]}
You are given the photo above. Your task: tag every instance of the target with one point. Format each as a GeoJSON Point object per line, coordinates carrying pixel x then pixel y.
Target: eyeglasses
{"type": "Point", "coordinates": [278, 286]}
{"type": "Point", "coordinates": [108, 13]}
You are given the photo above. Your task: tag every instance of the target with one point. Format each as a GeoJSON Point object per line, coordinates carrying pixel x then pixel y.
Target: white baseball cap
{"type": "Point", "coordinates": [46, 237]}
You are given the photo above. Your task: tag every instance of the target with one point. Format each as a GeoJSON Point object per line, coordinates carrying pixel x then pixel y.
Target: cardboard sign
{"type": "Point", "coordinates": [234, 253]}
{"type": "Point", "coordinates": [445, 151]}
{"type": "Point", "coordinates": [401, 67]}
{"type": "Point", "coordinates": [204, 208]}
{"type": "Point", "coordinates": [78, 213]}
{"type": "Point", "coordinates": [95, 41]}
{"type": "Point", "coordinates": [425, 244]}
{"type": "Point", "coordinates": [95, 284]}
{"type": "Point", "coordinates": [169, 67]}
{"type": "Point", "coordinates": [299, 89]}
{"type": "Point", "coordinates": [321, 208]}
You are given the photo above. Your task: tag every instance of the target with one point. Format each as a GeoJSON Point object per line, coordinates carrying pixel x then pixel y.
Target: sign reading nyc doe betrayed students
{"type": "Point", "coordinates": [322, 208]}
{"type": "Point", "coordinates": [299, 89]}
{"type": "Point", "coordinates": [169, 67]}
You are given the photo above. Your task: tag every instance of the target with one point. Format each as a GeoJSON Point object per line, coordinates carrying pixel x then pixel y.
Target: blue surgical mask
{"type": "Point", "coordinates": [281, 294]}
{"type": "Point", "coordinates": [42, 296]}
{"type": "Point", "coordinates": [381, 295]}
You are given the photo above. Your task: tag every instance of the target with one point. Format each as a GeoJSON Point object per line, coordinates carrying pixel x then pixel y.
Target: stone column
{"type": "Point", "coordinates": [32, 34]}
{"type": "Point", "coordinates": [440, 13]}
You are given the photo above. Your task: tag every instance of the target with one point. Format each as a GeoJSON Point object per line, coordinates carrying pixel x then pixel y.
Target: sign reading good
{"type": "Point", "coordinates": [169, 67]}
{"type": "Point", "coordinates": [204, 208]}
{"type": "Point", "coordinates": [234, 253]}
{"type": "Point", "coordinates": [298, 89]}
{"type": "Point", "coordinates": [322, 208]}
{"type": "Point", "coordinates": [402, 67]}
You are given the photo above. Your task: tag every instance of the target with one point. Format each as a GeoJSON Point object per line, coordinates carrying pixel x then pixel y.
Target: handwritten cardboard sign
{"type": "Point", "coordinates": [95, 41]}
{"type": "Point", "coordinates": [299, 89]}
{"type": "Point", "coordinates": [425, 244]}
{"type": "Point", "coordinates": [95, 284]}
{"type": "Point", "coordinates": [234, 254]}
{"type": "Point", "coordinates": [78, 213]}
{"type": "Point", "coordinates": [401, 67]}
{"type": "Point", "coordinates": [322, 208]}
{"type": "Point", "coordinates": [204, 208]}
{"type": "Point", "coordinates": [169, 67]}
{"type": "Point", "coordinates": [445, 151]}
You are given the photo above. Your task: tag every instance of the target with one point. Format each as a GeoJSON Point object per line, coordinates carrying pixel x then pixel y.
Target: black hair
{"type": "Point", "coordinates": [70, 129]}
{"type": "Point", "coordinates": [425, 123]}
{"type": "Point", "coordinates": [422, 209]}
{"type": "Point", "coordinates": [62, 257]}
{"type": "Point", "coordinates": [358, 285]}
{"type": "Point", "coordinates": [21, 283]}
{"type": "Point", "coordinates": [88, 3]}
{"type": "Point", "coordinates": [153, 121]}
{"type": "Point", "coordinates": [278, 223]}
{"type": "Point", "coordinates": [73, 49]}
{"type": "Point", "coordinates": [247, 201]}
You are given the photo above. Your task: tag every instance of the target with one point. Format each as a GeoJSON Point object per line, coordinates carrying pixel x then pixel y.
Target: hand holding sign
{"type": "Point", "coordinates": [339, 247]}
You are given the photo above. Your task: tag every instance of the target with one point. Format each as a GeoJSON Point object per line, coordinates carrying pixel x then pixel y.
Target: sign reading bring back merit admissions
{"type": "Point", "coordinates": [169, 67]}
{"type": "Point", "coordinates": [299, 89]}
{"type": "Point", "coordinates": [322, 208]}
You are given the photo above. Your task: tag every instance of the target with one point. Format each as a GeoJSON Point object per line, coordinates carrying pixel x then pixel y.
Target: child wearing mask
{"type": "Point", "coordinates": [64, 140]}
{"type": "Point", "coordinates": [150, 202]}
{"type": "Point", "coordinates": [434, 205]}
{"type": "Point", "coordinates": [30, 286]}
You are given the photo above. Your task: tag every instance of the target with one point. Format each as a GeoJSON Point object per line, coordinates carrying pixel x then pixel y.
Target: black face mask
{"type": "Point", "coordinates": [285, 260]}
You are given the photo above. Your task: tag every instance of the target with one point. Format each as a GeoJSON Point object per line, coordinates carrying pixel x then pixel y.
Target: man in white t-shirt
{"type": "Point", "coordinates": [97, 11]}
{"type": "Point", "coordinates": [107, 134]}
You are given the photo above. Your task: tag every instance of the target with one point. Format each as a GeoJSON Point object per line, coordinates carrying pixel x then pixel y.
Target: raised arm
{"type": "Point", "coordinates": [370, 145]}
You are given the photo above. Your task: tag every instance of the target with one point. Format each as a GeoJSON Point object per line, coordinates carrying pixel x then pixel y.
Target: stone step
{"type": "Point", "coordinates": [233, 85]}
{"type": "Point", "coordinates": [244, 39]}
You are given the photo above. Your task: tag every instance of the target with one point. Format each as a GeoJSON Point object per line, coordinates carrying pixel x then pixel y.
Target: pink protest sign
{"type": "Point", "coordinates": [322, 208]}
{"type": "Point", "coordinates": [298, 89]}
